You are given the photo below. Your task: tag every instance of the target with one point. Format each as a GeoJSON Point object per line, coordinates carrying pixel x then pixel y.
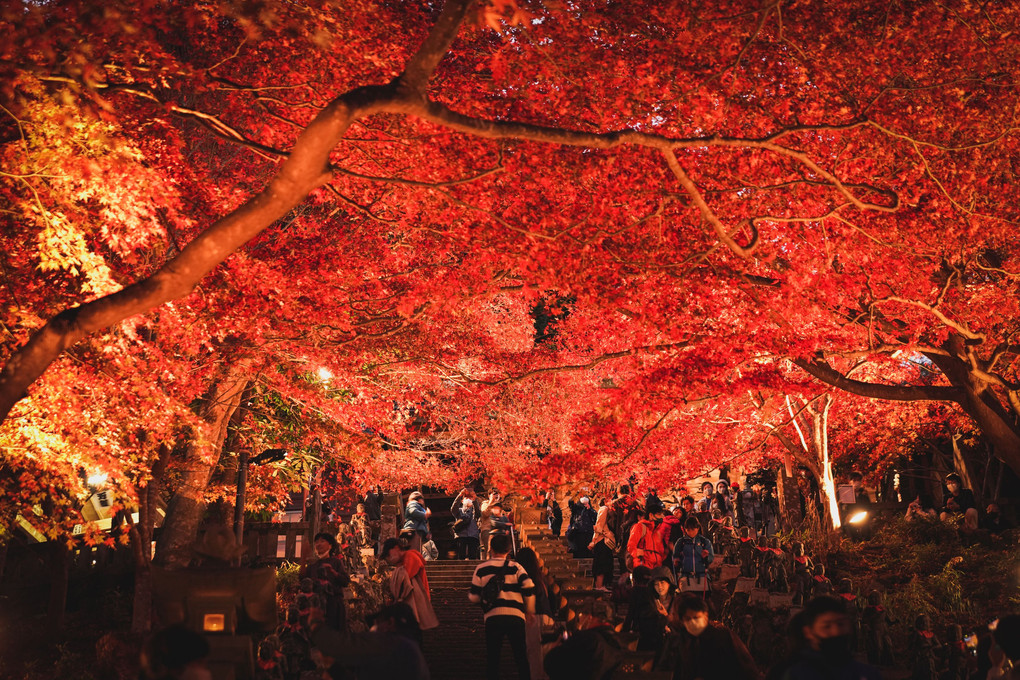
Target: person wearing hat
{"type": "Point", "coordinates": [652, 617]}
{"type": "Point", "coordinates": [416, 520]}
{"type": "Point", "coordinates": [959, 501]}
{"type": "Point", "coordinates": [646, 546]}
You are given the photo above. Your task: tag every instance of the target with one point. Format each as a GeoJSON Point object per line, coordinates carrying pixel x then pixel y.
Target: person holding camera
{"type": "Point", "coordinates": [466, 512]}
{"type": "Point", "coordinates": [416, 520]}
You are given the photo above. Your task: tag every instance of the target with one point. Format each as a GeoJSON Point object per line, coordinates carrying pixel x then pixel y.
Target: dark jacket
{"type": "Point", "coordinates": [373, 505]}
{"type": "Point", "coordinates": [961, 502]}
{"type": "Point", "coordinates": [470, 530]}
{"type": "Point", "coordinates": [582, 518]}
{"type": "Point", "coordinates": [716, 654]}
{"type": "Point", "coordinates": [592, 654]}
{"type": "Point", "coordinates": [812, 666]}
{"type": "Point", "coordinates": [372, 654]}
{"type": "Point", "coordinates": [687, 557]}
{"type": "Point", "coordinates": [555, 515]}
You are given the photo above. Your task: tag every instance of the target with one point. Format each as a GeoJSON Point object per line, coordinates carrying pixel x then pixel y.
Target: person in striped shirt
{"type": "Point", "coordinates": [506, 618]}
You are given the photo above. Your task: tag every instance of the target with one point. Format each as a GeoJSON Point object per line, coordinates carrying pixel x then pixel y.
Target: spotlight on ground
{"type": "Point", "coordinates": [858, 517]}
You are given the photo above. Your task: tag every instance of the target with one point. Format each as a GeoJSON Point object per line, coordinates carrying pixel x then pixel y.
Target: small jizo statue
{"type": "Point", "coordinates": [802, 578]}
{"type": "Point", "coordinates": [746, 554]}
{"type": "Point", "coordinates": [821, 584]}
{"type": "Point", "coordinates": [875, 624]}
{"type": "Point", "coordinates": [956, 656]}
{"type": "Point", "coordinates": [924, 649]}
{"type": "Point", "coordinates": [845, 590]}
{"type": "Point", "coordinates": [775, 576]}
{"type": "Point", "coordinates": [722, 535]}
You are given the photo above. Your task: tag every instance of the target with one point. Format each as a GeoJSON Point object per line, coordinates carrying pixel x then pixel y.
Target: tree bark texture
{"type": "Point", "coordinates": [180, 528]}
{"type": "Point", "coordinates": [141, 541]}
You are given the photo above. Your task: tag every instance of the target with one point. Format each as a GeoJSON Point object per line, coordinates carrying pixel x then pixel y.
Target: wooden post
{"type": "Point", "coordinates": [316, 519]}
{"type": "Point", "coordinates": [239, 498]}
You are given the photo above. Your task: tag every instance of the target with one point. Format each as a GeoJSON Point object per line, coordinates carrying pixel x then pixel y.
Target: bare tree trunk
{"type": "Point", "coordinates": [998, 423]}
{"type": "Point", "coordinates": [141, 541]}
{"type": "Point", "coordinates": [180, 529]}
{"type": "Point", "coordinates": [821, 424]}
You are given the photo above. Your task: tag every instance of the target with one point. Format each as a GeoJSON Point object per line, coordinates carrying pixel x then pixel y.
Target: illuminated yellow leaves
{"type": "Point", "coordinates": [62, 247]}
{"type": "Point", "coordinates": [86, 191]}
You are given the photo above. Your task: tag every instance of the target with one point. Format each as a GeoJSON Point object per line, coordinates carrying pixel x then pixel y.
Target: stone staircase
{"type": "Point", "coordinates": [568, 579]}
{"type": "Point", "coordinates": [456, 649]}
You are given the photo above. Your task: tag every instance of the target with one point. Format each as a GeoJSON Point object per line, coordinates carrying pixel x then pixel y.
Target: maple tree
{"type": "Point", "coordinates": [708, 196]}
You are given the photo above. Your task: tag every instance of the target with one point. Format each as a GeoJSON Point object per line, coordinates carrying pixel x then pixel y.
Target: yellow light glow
{"type": "Point", "coordinates": [213, 622]}
{"type": "Point", "coordinates": [858, 517]}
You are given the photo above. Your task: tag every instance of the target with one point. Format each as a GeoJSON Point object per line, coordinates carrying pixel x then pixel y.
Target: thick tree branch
{"type": "Point", "coordinates": [306, 168]}
{"type": "Point", "coordinates": [415, 78]}
{"type": "Point", "coordinates": [493, 129]}
{"type": "Point", "coordinates": [828, 375]}
{"type": "Point", "coordinates": [423, 184]}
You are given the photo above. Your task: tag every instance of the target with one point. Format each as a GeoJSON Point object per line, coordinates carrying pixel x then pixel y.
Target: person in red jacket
{"type": "Point", "coordinates": [646, 546]}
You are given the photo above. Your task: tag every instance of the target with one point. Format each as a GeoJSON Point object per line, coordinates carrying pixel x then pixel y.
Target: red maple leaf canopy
{"type": "Point", "coordinates": [539, 242]}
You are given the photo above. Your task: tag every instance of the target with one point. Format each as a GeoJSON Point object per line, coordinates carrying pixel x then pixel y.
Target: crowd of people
{"type": "Point", "coordinates": [705, 585]}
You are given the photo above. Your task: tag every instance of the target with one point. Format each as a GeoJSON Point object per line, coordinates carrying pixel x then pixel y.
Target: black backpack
{"type": "Point", "coordinates": [493, 587]}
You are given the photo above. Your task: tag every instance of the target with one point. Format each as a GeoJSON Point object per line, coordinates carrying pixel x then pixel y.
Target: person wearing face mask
{"type": "Point", "coordinates": [959, 501]}
{"type": "Point", "coordinates": [646, 546]}
{"type": "Point", "coordinates": [700, 649]}
{"type": "Point", "coordinates": [829, 652]}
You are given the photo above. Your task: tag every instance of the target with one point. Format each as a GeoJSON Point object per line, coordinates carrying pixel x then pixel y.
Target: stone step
{"type": "Point", "coordinates": [566, 564]}
{"type": "Point", "coordinates": [456, 649]}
